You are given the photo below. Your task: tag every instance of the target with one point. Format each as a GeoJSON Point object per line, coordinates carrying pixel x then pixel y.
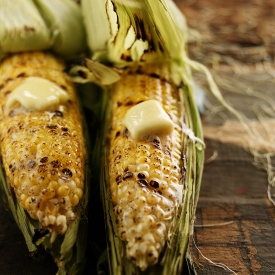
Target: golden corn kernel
{"type": "Point", "coordinates": [78, 192]}
{"type": "Point", "coordinates": [48, 193]}
{"type": "Point", "coordinates": [63, 191]}
{"type": "Point", "coordinates": [74, 199]}
{"type": "Point", "coordinates": [53, 185]}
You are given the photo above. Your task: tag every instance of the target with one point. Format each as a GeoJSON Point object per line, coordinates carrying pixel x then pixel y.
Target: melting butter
{"type": "Point", "coordinates": [36, 93]}
{"type": "Point", "coordinates": [147, 118]}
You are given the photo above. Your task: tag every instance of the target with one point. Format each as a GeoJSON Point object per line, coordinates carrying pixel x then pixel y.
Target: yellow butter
{"type": "Point", "coordinates": [36, 93]}
{"type": "Point", "coordinates": [147, 118]}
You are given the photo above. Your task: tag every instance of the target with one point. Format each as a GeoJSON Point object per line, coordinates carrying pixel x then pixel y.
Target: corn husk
{"type": "Point", "coordinates": [28, 25]}
{"type": "Point", "coordinates": [135, 33]}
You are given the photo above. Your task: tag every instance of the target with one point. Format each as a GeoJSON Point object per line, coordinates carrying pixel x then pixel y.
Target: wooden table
{"type": "Point", "coordinates": [235, 220]}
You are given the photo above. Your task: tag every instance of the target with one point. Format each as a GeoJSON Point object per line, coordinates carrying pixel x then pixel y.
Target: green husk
{"type": "Point", "coordinates": [162, 40]}
{"type": "Point", "coordinates": [33, 25]}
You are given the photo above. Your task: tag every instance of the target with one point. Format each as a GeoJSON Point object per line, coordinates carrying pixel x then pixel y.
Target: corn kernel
{"type": "Point", "coordinates": [74, 199]}
{"type": "Point", "coordinates": [78, 192]}
{"type": "Point", "coordinates": [63, 191]}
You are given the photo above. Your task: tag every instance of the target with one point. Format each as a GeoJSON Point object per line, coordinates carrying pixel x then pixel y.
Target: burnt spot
{"type": "Point", "coordinates": [128, 102]}
{"type": "Point", "coordinates": [67, 172]}
{"type": "Point", "coordinates": [143, 183]}
{"type": "Point", "coordinates": [31, 164]}
{"type": "Point", "coordinates": [141, 176]}
{"type": "Point", "coordinates": [52, 127]}
{"type": "Point", "coordinates": [117, 158]}
{"type": "Point", "coordinates": [42, 168]}
{"type": "Point", "coordinates": [118, 179]}
{"type": "Point", "coordinates": [126, 57]}
{"type": "Point", "coordinates": [10, 166]}
{"type": "Point", "coordinates": [119, 104]}
{"type": "Point", "coordinates": [159, 192]}
{"type": "Point", "coordinates": [13, 169]}
{"type": "Point", "coordinates": [117, 133]}
{"type": "Point", "coordinates": [154, 184]}
{"type": "Point", "coordinates": [128, 176]}
{"type": "Point", "coordinates": [154, 75]}
{"type": "Point", "coordinates": [1, 86]}
{"type": "Point", "coordinates": [140, 28]}
{"type": "Point", "coordinates": [63, 87]}
{"type": "Point", "coordinates": [21, 75]}
{"type": "Point", "coordinates": [65, 129]}
{"type": "Point", "coordinates": [126, 169]}
{"type": "Point", "coordinates": [156, 143]}
{"type": "Point", "coordinates": [55, 164]}
{"type": "Point", "coordinates": [167, 152]}
{"type": "Point", "coordinates": [58, 113]}
{"type": "Point", "coordinates": [44, 160]}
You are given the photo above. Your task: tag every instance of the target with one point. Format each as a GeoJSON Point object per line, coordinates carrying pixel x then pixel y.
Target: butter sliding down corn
{"type": "Point", "coordinates": [42, 144]}
{"type": "Point", "coordinates": [146, 173]}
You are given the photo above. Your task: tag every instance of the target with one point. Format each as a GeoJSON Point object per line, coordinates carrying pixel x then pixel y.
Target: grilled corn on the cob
{"type": "Point", "coordinates": [43, 150]}
{"type": "Point", "coordinates": [146, 175]}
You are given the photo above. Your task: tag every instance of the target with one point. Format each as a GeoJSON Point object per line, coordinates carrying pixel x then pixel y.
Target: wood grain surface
{"type": "Point", "coordinates": [235, 222]}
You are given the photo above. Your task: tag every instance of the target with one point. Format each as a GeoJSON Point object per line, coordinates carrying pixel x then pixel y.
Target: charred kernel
{"type": "Point", "coordinates": [53, 127]}
{"type": "Point", "coordinates": [67, 172]}
{"type": "Point", "coordinates": [63, 87]}
{"type": "Point", "coordinates": [142, 183]}
{"type": "Point", "coordinates": [117, 157]}
{"type": "Point", "coordinates": [42, 168]}
{"type": "Point", "coordinates": [128, 102]}
{"type": "Point", "coordinates": [141, 176]}
{"type": "Point", "coordinates": [154, 184]}
{"type": "Point", "coordinates": [128, 175]}
{"type": "Point", "coordinates": [159, 192]}
{"type": "Point", "coordinates": [118, 178]}
{"type": "Point", "coordinates": [119, 104]}
{"type": "Point", "coordinates": [10, 166]}
{"type": "Point", "coordinates": [55, 164]}
{"type": "Point", "coordinates": [44, 159]}
{"type": "Point", "coordinates": [117, 133]}
{"type": "Point", "coordinates": [65, 129]}
{"type": "Point", "coordinates": [21, 74]}
{"type": "Point", "coordinates": [126, 169]}
{"type": "Point", "coordinates": [156, 140]}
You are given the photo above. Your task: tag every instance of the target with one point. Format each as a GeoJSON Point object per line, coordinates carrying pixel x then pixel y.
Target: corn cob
{"type": "Point", "coordinates": [43, 150]}
{"type": "Point", "coordinates": [146, 175]}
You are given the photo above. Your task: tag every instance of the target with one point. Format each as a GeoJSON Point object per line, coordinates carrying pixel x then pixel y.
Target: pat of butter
{"type": "Point", "coordinates": [36, 93]}
{"type": "Point", "coordinates": [147, 118]}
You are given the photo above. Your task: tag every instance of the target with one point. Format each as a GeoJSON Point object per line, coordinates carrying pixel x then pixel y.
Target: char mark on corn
{"type": "Point", "coordinates": [43, 151]}
{"type": "Point", "coordinates": [146, 180]}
